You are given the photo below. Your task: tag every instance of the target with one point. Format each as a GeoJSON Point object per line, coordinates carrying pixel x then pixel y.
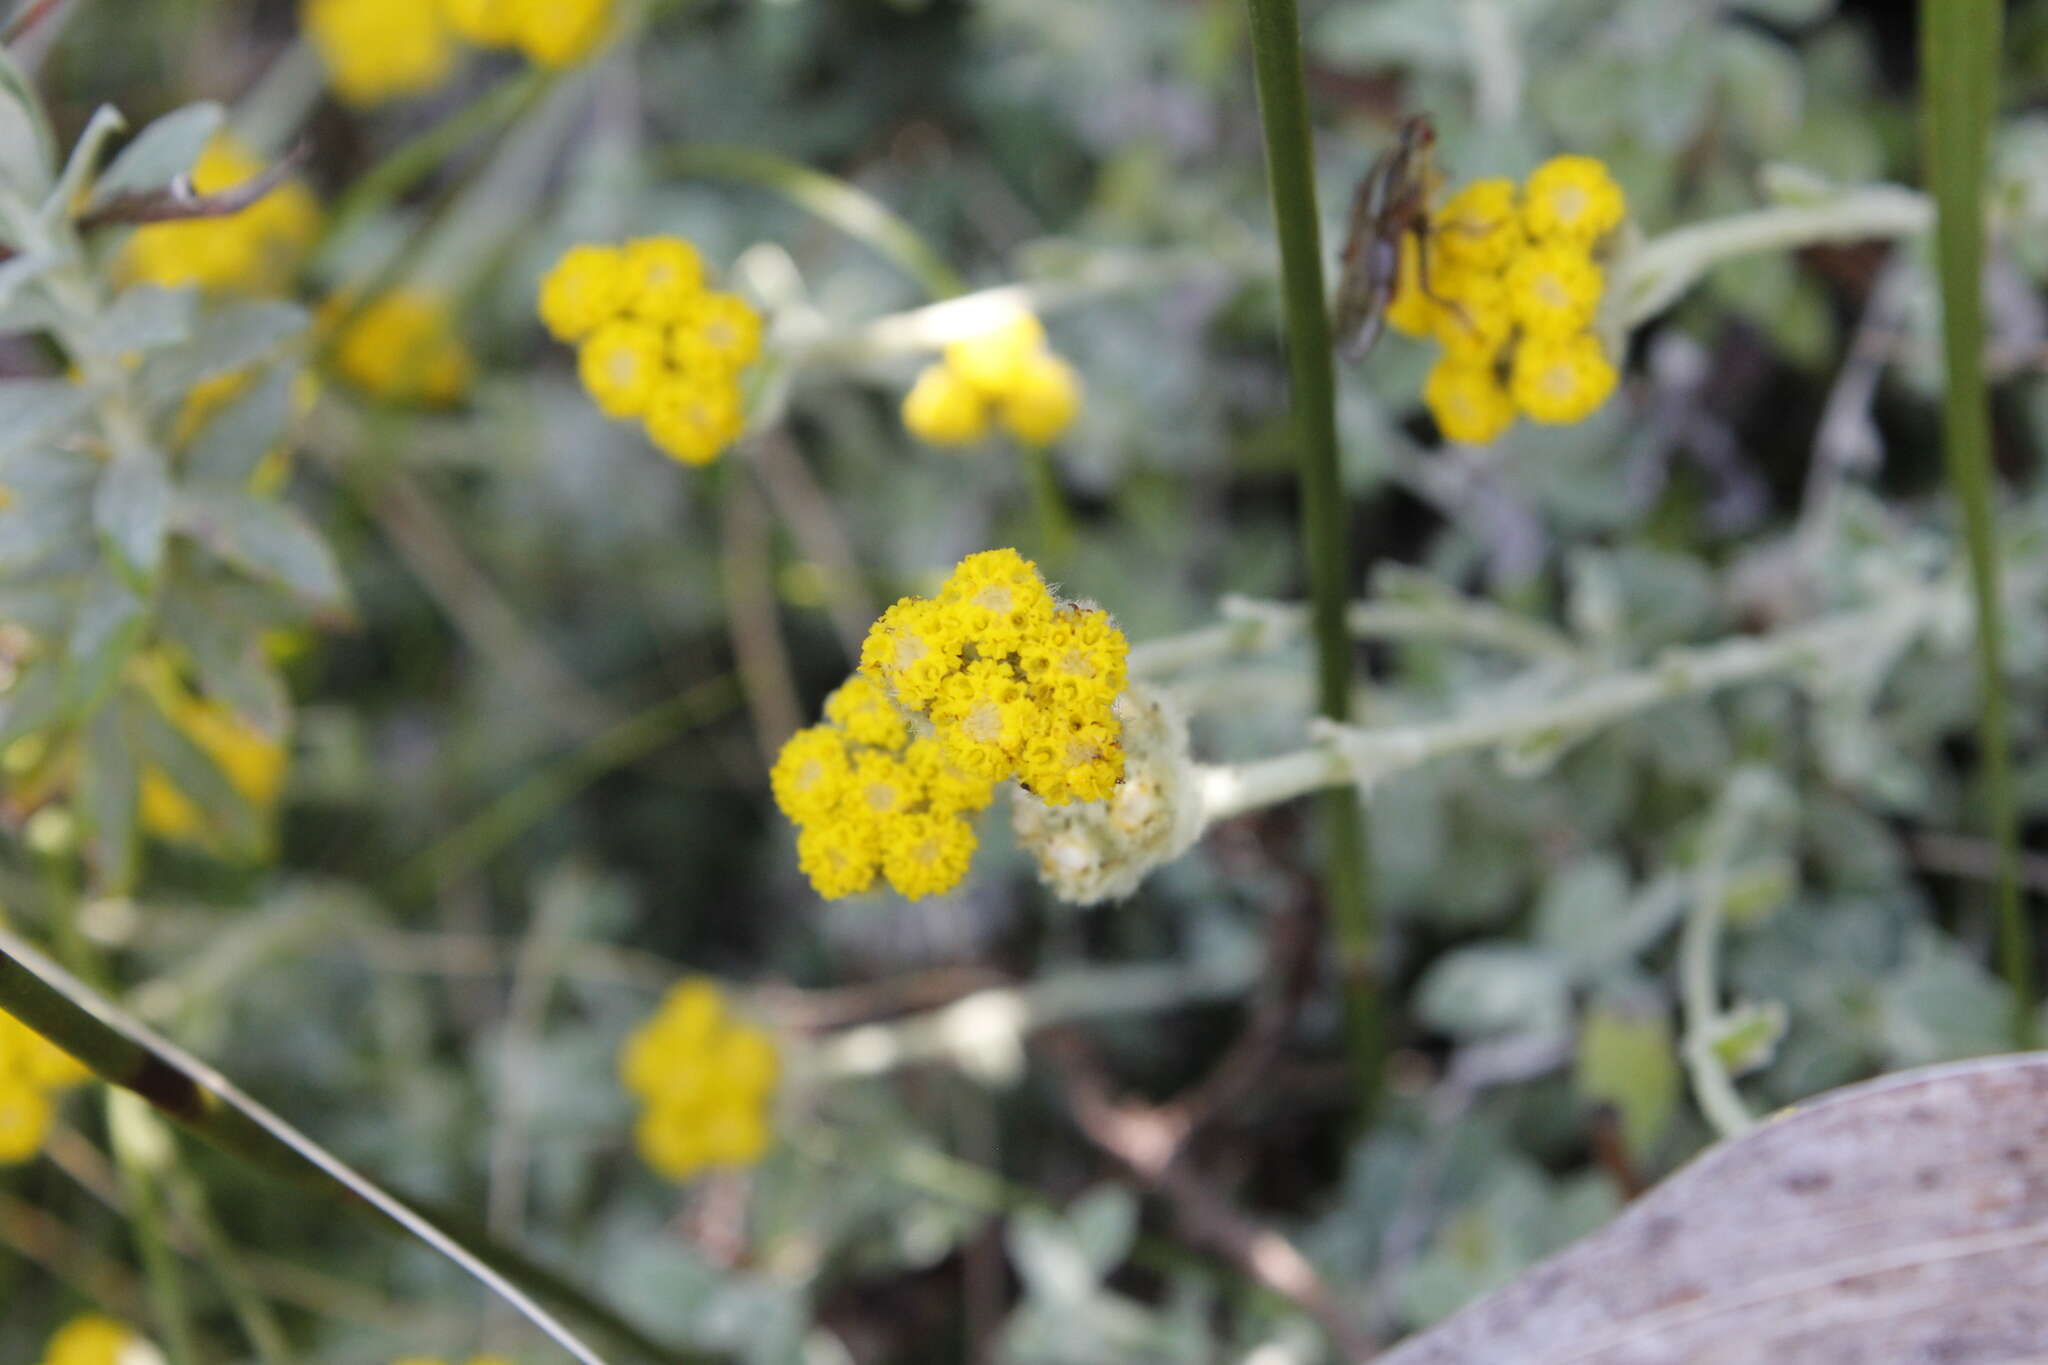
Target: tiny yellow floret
{"type": "Point", "coordinates": [1042, 400]}
{"type": "Point", "coordinates": [664, 278]}
{"type": "Point", "coordinates": [1572, 199]}
{"type": "Point", "coordinates": [404, 348]}
{"type": "Point", "coordinates": [1562, 381]}
{"type": "Point", "coordinates": [1554, 291]}
{"type": "Point", "coordinates": [378, 50]}
{"type": "Point", "coordinates": [1480, 228]}
{"type": "Point", "coordinates": [621, 365]}
{"type": "Point", "coordinates": [944, 409]}
{"type": "Point", "coordinates": [1468, 402]}
{"type": "Point", "coordinates": [585, 290]}
{"type": "Point", "coordinates": [91, 1339]}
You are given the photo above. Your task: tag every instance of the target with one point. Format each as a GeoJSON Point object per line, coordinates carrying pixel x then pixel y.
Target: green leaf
{"type": "Point", "coordinates": [132, 509]}
{"type": "Point", "coordinates": [194, 773]}
{"type": "Point", "coordinates": [1628, 1058]}
{"type": "Point", "coordinates": [14, 273]}
{"type": "Point", "coordinates": [33, 409]}
{"type": "Point", "coordinates": [34, 702]}
{"type": "Point", "coordinates": [1494, 988]}
{"type": "Point", "coordinates": [230, 446]}
{"type": "Point", "coordinates": [1747, 1037]}
{"type": "Point", "coordinates": [265, 539]}
{"type": "Point", "coordinates": [226, 650]}
{"type": "Point", "coordinates": [1104, 1223]}
{"type": "Point", "coordinates": [160, 153]}
{"type": "Point", "coordinates": [227, 337]}
{"type": "Point", "coordinates": [27, 150]}
{"type": "Point", "coordinates": [111, 621]}
{"type": "Point", "coordinates": [109, 784]}
{"type": "Point", "coordinates": [85, 154]}
{"type": "Point", "coordinates": [143, 318]}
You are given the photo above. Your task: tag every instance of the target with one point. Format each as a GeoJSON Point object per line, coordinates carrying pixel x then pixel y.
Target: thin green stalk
{"type": "Point", "coordinates": [1960, 45]}
{"type": "Point", "coordinates": [1055, 522]}
{"type": "Point", "coordinates": [123, 1052]}
{"type": "Point", "coordinates": [252, 1311]}
{"type": "Point", "coordinates": [853, 211]}
{"type": "Point", "coordinates": [1291, 175]}
{"type": "Point", "coordinates": [481, 837]}
{"type": "Point", "coordinates": [128, 1124]}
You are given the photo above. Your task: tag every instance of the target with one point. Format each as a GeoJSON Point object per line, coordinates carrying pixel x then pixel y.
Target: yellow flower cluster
{"type": "Point", "coordinates": [870, 799]}
{"type": "Point", "coordinates": [378, 50]}
{"type": "Point", "coordinates": [255, 251]}
{"type": "Point", "coordinates": [1513, 286]}
{"type": "Point", "coordinates": [33, 1072]}
{"type": "Point", "coordinates": [1017, 682]}
{"type": "Point", "coordinates": [1006, 374]}
{"type": "Point", "coordinates": [706, 1079]}
{"type": "Point", "coordinates": [403, 348]}
{"type": "Point", "coordinates": [653, 343]}
{"type": "Point", "coordinates": [252, 762]}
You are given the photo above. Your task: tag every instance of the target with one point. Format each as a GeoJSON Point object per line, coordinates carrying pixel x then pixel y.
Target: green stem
{"type": "Point", "coordinates": [1960, 44]}
{"type": "Point", "coordinates": [123, 1052]}
{"type": "Point", "coordinates": [481, 837]}
{"type": "Point", "coordinates": [1055, 522]}
{"type": "Point", "coordinates": [853, 211]}
{"type": "Point", "coordinates": [259, 1324]}
{"type": "Point", "coordinates": [1290, 166]}
{"type": "Point", "coordinates": [128, 1122]}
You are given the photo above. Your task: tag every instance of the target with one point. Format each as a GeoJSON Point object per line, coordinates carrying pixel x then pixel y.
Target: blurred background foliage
{"type": "Point", "coordinates": [480, 883]}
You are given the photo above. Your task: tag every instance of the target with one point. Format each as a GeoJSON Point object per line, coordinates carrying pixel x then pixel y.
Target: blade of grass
{"type": "Point", "coordinates": [853, 211]}
{"type": "Point", "coordinates": [123, 1052]}
{"type": "Point", "coordinates": [1291, 176]}
{"type": "Point", "coordinates": [1959, 61]}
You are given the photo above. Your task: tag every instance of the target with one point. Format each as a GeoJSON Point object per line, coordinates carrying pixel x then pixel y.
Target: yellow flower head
{"type": "Point", "coordinates": [1476, 319]}
{"type": "Point", "coordinates": [912, 649]}
{"type": "Point", "coordinates": [928, 854]}
{"type": "Point", "coordinates": [726, 326]}
{"type": "Point", "coordinates": [1481, 227]}
{"type": "Point", "coordinates": [694, 419]}
{"type": "Point", "coordinates": [255, 251]}
{"type": "Point", "coordinates": [404, 348]}
{"type": "Point", "coordinates": [664, 278]}
{"type": "Point", "coordinates": [1554, 290]}
{"type": "Point", "coordinates": [486, 23]}
{"type": "Point", "coordinates": [944, 409]}
{"type": "Point", "coordinates": [1042, 400]}
{"type": "Point", "coordinates": [813, 774]}
{"type": "Point", "coordinates": [28, 1056]}
{"type": "Point", "coordinates": [949, 789]}
{"type": "Point", "coordinates": [378, 50]}
{"type": "Point", "coordinates": [841, 858]}
{"type": "Point", "coordinates": [706, 1079]}
{"type": "Point", "coordinates": [1572, 199]}
{"type": "Point", "coordinates": [997, 599]}
{"type": "Point", "coordinates": [865, 712]}
{"type": "Point", "coordinates": [1561, 381]}
{"type": "Point", "coordinates": [990, 360]}
{"type": "Point", "coordinates": [90, 1339]}
{"type": "Point", "coordinates": [1468, 402]}
{"type": "Point", "coordinates": [621, 365]}
{"type": "Point", "coordinates": [1073, 757]}
{"type": "Point", "coordinates": [985, 713]}
{"type": "Point", "coordinates": [1412, 311]}
{"type": "Point", "coordinates": [585, 290]}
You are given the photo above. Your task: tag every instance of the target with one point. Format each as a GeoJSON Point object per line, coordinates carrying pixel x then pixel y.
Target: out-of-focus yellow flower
{"type": "Point", "coordinates": [585, 290]}
{"type": "Point", "coordinates": [1012, 683]}
{"type": "Point", "coordinates": [655, 343]}
{"type": "Point", "coordinates": [255, 251]}
{"type": "Point", "coordinates": [1006, 372]}
{"type": "Point", "coordinates": [548, 32]}
{"type": "Point", "coordinates": [33, 1072]}
{"type": "Point", "coordinates": [1563, 380]}
{"type": "Point", "coordinates": [1513, 291]}
{"type": "Point", "coordinates": [1554, 291]}
{"type": "Point", "coordinates": [404, 348]}
{"type": "Point", "coordinates": [944, 409]}
{"type": "Point", "coordinates": [378, 50]}
{"type": "Point", "coordinates": [91, 1339]}
{"type": "Point", "coordinates": [1468, 401]}
{"type": "Point", "coordinates": [1572, 199]}
{"type": "Point", "coordinates": [486, 23]}
{"type": "Point", "coordinates": [705, 1079]}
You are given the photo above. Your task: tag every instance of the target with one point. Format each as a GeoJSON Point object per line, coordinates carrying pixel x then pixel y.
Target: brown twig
{"type": "Point", "coordinates": [69, 1257]}
{"type": "Point", "coordinates": [1148, 1141]}
{"type": "Point", "coordinates": [178, 200]}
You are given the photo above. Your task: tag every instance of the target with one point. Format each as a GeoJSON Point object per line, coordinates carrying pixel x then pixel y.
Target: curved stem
{"type": "Point", "coordinates": [1290, 169]}
{"type": "Point", "coordinates": [1698, 953]}
{"type": "Point", "coordinates": [1959, 65]}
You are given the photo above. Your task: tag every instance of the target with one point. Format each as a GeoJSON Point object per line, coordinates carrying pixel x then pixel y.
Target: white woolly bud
{"type": "Point", "coordinates": [1092, 851]}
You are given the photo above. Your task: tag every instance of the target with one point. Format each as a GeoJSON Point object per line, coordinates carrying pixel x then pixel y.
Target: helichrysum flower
{"type": "Point", "coordinates": [1512, 291]}
{"type": "Point", "coordinates": [255, 251]}
{"type": "Point", "coordinates": [654, 343]}
{"type": "Point", "coordinates": [993, 679]}
{"type": "Point", "coordinates": [548, 32]}
{"type": "Point", "coordinates": [403, 348]}
{"type": "Point", "coordinates": [378, 50]}
{"type": "Point", "coordinates": [1006, 374]}
{"type": "Point", "coordinates": [704, 1079]}
{"type": "Point", "coordinates": [90, 1339]}
{"type": "Point", "coordinates": [33, 1072]}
